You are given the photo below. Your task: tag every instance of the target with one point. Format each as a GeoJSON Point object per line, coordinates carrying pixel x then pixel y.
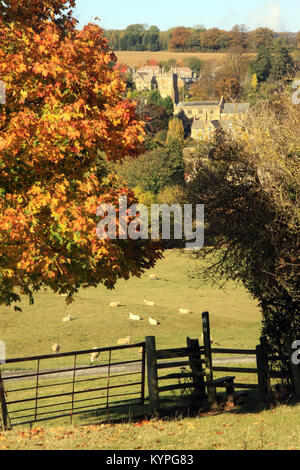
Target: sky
{"type": "Point", "coordinates": [279, 15]}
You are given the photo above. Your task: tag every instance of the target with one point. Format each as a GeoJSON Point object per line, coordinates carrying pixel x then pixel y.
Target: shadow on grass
{"type": "Point", "coordinates": [175, 409]}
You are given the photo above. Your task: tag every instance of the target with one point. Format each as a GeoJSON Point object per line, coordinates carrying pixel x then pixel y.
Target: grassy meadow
{"type": "Point", "coordinates": [234, 315]}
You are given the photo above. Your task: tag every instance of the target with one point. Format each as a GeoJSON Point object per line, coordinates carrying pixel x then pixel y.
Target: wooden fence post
{"type": "Point", "coordinates": [196, 368]}
{"type": "Point", "coordinates": [296, 374]}
{"type": "Point", "coordinates": [152, 373]}
{"type": "Point", "coordinates": [211, 391]}
{"type": "Point", "coordinates": [3, 409]}
{"type": "Point", "coordinates": [263, 371]}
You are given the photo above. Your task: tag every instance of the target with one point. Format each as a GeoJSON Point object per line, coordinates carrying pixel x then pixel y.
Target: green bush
{"type": "Point", "coordinates": [154, 170]}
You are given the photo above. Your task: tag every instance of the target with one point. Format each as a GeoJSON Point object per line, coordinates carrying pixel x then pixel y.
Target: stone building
{"type": "Point", "coordinates": [150, 77]}
{"type": "Point", "coordinates": [144, 81]}
{"type": "Point", "coordinates": [167, 84]}
{"type": "Point", "coordinates": [205, 117]}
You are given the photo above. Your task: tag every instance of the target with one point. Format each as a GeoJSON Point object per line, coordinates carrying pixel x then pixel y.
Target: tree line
{"type": "Point", "coordinates": [140, 37]}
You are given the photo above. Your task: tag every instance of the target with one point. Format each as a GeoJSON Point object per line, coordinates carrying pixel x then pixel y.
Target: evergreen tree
{"type": "Point", "coordinates": [282, 63]}
{"type": "Point", "coordinates": [262, 64]}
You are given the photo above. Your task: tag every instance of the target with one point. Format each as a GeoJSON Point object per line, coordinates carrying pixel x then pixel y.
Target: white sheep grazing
{"type": "Point", "coordinates": [152, 321]}
{"type": "Point", "coordinates": [149, 303]}
{"type": "Point", "coordinates": [94, 356]}
{"type": "Point", "coordinates": [124, 341]}
{"type": "Point", "coordinates": [184, 310]}
{"type": "Point", "coordinates": [153, 277]}
{"type": "Point", "coordinates": [68, 318]}
{"type": "Point", "coordinates": [55, 348]}
{"type": "Point", "coordinates": [115, 304]}
{"type": "Point", "coordinates": [134, 317]}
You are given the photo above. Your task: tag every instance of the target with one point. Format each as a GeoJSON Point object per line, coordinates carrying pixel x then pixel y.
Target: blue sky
{"type": "Point", "coordinates": [280, 15]}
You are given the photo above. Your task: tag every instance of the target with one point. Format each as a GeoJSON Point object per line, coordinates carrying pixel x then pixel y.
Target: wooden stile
{"type": "Point", "coordinates": [4, 414]}
{"type": "Point", "coordinates": [196, 368]}
{"type": "Point", "coordinates": [152, 373]}
{"type": "Point", "coordinates": [263, 371]}
{"type": "Point", "coordinates": [211, 391]}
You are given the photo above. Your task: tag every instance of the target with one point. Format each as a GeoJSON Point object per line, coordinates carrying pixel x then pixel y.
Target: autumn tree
{"type": "Point", "coordinates": [33, 13]}
{"type": "Point", "coordinates": [179, 39]}
{"type": "Point", "coordinates": [210, 39]}
{"type": "Point", "coordinates": [176, 130]}
{"type": "Point", "coordinates": [262, 37]}
{"type": "Point", "coordinates": [228, 87]}
{"type": "Point", "coordinates": [237, 38]}
{"type": "Point", "coordinates": [64, 105]}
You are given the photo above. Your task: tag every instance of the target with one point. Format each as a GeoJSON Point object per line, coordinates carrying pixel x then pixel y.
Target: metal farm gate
{"type": "Point", "coordinates": [36, 392]}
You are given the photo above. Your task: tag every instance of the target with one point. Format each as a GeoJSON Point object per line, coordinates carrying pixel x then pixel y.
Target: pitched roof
{"type": "Point", "coordinates": [148, 68]}
{"type": "Point", "coordinates": [231, 108]}
{"type": "Point", "coordinates": [199, 103]}
{"type": "Point", "coordinates": [145, 76]}
{"type": "Point", "coordinates": [216, 124]}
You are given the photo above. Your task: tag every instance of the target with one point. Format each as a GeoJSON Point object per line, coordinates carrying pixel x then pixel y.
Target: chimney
{"type": "Point", "coordinates": [221, 104]}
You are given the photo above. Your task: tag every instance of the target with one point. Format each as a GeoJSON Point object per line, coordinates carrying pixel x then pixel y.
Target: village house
{"type": "Point", "coordinates": [149, 77]}
{"type": "Point", "coordinates": [205, 117]}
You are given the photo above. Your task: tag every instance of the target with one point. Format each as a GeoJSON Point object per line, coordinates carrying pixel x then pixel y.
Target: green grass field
{"type": "Point", "coordinates": [235, 318]}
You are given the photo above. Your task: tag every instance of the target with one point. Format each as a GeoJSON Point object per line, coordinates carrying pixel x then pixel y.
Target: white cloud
{"type": "Point", "coordinates": [227, 21]}
{"type": "Point", "coordinates": [269, 15]}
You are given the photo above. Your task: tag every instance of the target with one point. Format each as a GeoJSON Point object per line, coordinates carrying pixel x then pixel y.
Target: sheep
{"type": "Point", "coordinates": [55, 348]}
{"type": "Point", "coordinates": [184, 310]}
{"type": "Point", "coordinates": [68, 318]}
{"type": "Point", "coordinates": [115, 304]}
{"type": "Point", "coordinates": [140, 351]}
{"type": "Point", "coordinates": [94, 356]}
{"type": "Point", "coordinates": [134, 317]}
{"type": "Point", "coordinates": [152, 321]}
{"type": "Point", "coordinates": [149, 303]}
{"type": "Point", "coordinates": [153, 277]}
{"type": "Point", "coordinates": [124, 341]}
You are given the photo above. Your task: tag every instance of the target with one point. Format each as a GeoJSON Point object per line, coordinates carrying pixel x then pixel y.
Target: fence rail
{"type": "Point", "coordinates": [110, 384]}
{"type": "Point", "coordinates": [118, 382]}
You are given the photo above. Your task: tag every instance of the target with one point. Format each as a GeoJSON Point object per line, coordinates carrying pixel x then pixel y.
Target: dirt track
{"type": "Point", "coordinates": [53, 373]}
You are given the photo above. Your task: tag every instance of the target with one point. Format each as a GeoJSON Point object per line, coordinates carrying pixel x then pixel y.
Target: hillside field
{"type": "Point", "coordinates": [137, 58]}
{"type": "Point", "coordinates": [235, 317]}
